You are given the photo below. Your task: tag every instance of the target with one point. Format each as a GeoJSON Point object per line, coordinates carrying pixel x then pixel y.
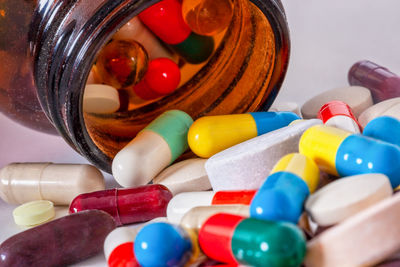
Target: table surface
{"type": "Point", "coordinates": [327, 37]}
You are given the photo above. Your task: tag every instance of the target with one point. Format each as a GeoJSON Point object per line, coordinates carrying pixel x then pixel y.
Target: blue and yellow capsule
{"type": "Point", "coordinates": [282, 196]}
{"type": "Point", "coordinates": [341, 153]}
{"type": "Point", "coordinates": [165, 244]}
{"type": "Point", "coordinates": [212, 134]}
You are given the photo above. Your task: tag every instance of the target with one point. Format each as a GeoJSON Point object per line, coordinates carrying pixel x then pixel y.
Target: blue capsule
{"type": "Point", "coordinates": [360, 154]}
{"type": "Point", "coordinates": [281, 198]}
{"type": "Point", "coordinates": [384, 128]}
{"type": "Point", "coordinates": [162, 244]}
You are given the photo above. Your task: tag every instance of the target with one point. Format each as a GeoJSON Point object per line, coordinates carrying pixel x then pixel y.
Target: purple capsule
{"type": "Point", "coordinates": [382, 83]}
{"type": "Point", "coordinates": [61, 242]}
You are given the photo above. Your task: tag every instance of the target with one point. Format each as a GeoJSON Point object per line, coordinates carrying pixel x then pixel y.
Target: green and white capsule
{"type": "Point", "coordinates": [153, 149]}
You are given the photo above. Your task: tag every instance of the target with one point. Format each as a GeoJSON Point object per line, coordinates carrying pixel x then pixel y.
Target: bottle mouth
{"type": "Point", "coordinates": [243, 73]}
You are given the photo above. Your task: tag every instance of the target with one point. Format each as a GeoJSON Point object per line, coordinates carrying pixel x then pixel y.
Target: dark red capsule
{"type": "Point", "coordinates": [128, 205]}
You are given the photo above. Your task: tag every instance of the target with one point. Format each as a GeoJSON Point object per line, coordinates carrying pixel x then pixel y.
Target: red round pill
{"type": "Point", "coordinates": [162, 77]}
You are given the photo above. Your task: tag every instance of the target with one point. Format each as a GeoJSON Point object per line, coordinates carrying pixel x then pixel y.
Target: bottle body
{"type": "Point", "coordinates": [49, 49]}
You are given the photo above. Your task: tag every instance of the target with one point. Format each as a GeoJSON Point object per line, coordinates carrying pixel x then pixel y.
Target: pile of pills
{"type": "Point", "coordinates": [263, 189]}
{"type": "Point", "coordinates": [262, 192]}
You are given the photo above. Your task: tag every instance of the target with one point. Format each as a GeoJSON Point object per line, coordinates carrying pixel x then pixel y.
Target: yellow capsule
{"type": "Point", "coordinates": [212, 134]}
{"type": "Point", "coordinates": [320, 143]}
{"type": "Point", "coordinates": [302, 166]}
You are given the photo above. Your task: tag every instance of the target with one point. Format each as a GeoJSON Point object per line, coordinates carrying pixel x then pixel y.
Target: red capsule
{"type": "Point", "coordinates": [127, 206]}
{"type": "Point", "coordinates": [166, 21]}
{"type": "Point", "coordinates": [123, 256]}
{"type": "Point", "coordinates": [339, 114]}
{"type": "Point", "coordinates": [243, 197]}
{"type": "Point", "coordinates": [216, 234]}
{"type": "Point", "coordinates": [162, 77]}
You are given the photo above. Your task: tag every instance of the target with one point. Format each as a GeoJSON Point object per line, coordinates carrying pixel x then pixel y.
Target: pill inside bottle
{"type": "Point", "coordinates": [174, 55]}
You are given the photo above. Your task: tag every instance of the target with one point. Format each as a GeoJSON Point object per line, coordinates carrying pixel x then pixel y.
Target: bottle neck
{"type": "Point", "coordinates": [69, 34]}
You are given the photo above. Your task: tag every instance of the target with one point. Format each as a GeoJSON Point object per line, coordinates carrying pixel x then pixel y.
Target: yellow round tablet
{"type": "Point", "coordinates": [34, 213]}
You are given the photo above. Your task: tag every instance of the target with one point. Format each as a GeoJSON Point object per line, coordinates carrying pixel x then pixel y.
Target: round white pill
{"type": "Point", "coordinates": [100, 99]}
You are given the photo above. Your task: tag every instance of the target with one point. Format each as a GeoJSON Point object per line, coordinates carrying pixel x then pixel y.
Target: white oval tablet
{"type": "Point", "coordinates": [183, 202]}
{"type": "Point", "coordinates": [390, 107]}
{"type": "Point", "coordinates": [357, 97]}
{"type": "Point", "coordinates": [364, 239]}
{"type": "Point", "coordinates": [100, 99]}
{"type": "Point", "coordinates": [185, 176]}
{"type": "Point", "coordinates": [347, 196]}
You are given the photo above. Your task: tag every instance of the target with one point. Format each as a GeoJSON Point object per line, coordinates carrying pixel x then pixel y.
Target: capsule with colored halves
{"type": "Point", "coordinates": [165, 244]}
{"type": "Point", "coordinates": [129, 205]}
{"type": "Point", "coordinates": [282, 195]}
{"type": "Point", "coordinates": [153, 149]}
{"type": "Point", "coordinates": [212, 134]}
{"type": "Point", "coordinates": [338, 114]}
{"type": "Point", "coordinates": [118, 247]}
{"type": "Point", "coordinates": [183, 202]}
{"type": "Point", "coordinates": [236, 240]}
{"type": "Point", "coordinates": [341, 153]}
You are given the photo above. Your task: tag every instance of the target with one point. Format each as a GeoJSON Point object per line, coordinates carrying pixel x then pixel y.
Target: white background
{"type": "Point", "coordinates": [327, 38]}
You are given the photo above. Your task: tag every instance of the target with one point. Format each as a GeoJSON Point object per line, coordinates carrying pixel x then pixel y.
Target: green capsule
{"type": "Point", "coordinates": [195, 49]}
{"type": "Point", "coordinates": [266, 243]}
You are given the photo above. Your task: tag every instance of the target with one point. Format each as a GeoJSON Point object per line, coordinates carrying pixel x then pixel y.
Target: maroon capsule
{"type": "Point", "coordinates": [382, 83]}
{"type": "Point", "coordinates": [128, 205]}
{"type": "Point", "coordinates": [61, 242]}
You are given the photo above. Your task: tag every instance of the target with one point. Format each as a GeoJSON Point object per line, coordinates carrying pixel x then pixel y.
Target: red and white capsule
{"type": "Point", "coordinates": [338, 114]}
{"type": "Point", "coordinates": [118, 247]}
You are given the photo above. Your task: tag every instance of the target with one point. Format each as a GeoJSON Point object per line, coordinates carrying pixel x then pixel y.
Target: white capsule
{"type": "Point", "coordinates": [135, 30]}
{"type": "Point", "coordinates": [195, 217]}
{"type": "Point", "coordinates": [347, 196]}
{"type": "Point", "coordinates": [185, 176]}
{"type": "Point", "coordinates": [141, 160]}
{"type": "Point", "coordinates": [58, 183]}
{"type": "Point", "coordinates": [183, 202]}
{"type": "Point", "coordinates": [100, 99]}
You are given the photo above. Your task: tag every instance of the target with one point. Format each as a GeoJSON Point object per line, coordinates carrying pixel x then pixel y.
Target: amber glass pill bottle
{"type": "Point", "coordinates": [48, 47]}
